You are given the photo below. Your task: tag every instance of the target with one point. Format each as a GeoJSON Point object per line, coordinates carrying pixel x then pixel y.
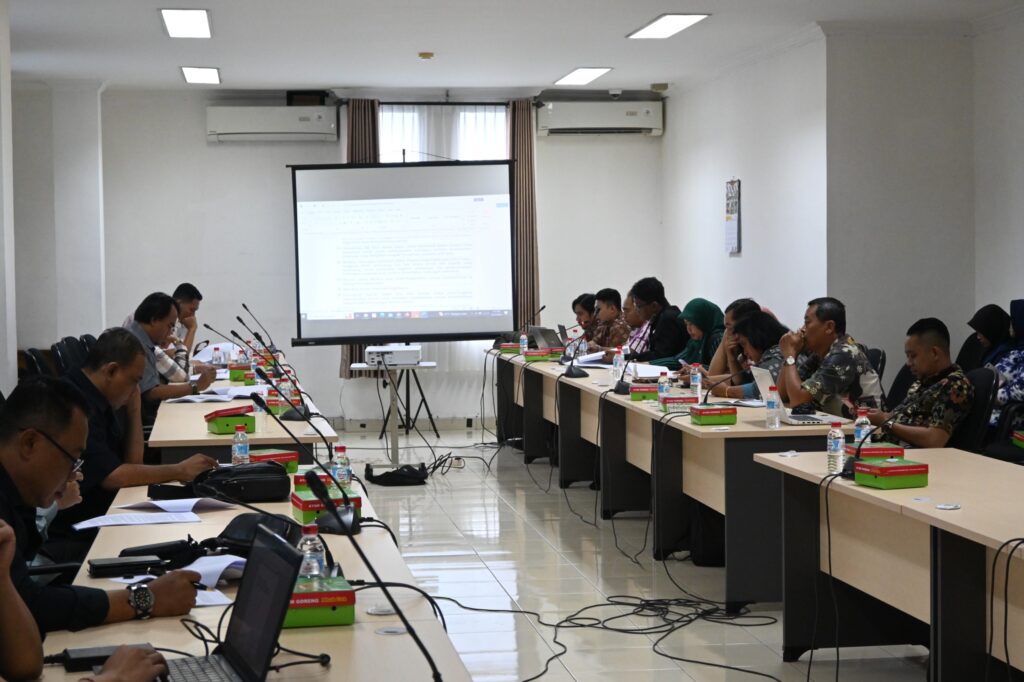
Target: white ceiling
{"type": "Point", "coordinates": [480, 44]}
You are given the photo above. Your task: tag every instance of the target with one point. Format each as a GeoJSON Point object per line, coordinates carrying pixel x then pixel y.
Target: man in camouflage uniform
{"type": "Point", "coordinates": [940, 398]}
{"type": "Point", "coordinates": [844, 380]}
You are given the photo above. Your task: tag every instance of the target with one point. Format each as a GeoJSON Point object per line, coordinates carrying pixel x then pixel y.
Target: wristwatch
{"type": "Point", "coordinates": [195, 387]}
{"type": "Point", "coordinates": [141, 598]}
{"type": "Point", "coordinates": [790, 360]}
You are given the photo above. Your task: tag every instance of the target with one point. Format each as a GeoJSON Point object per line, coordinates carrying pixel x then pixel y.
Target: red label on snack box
{"type": "Point", "coordinates": [538, 353]}
{"type": "Point", "coordinates": [228, 412]}
{"type": "Point", "coordinates": [313, 600]}
{"type": "Point", "coordinates": [313, 504]}
{"type": "Point", "coordinates": [711, 411]}
{"type": "Point", "coordinates": [273, 456]}
{"type": "Point", "coordinates": [680, 399]}
{"type": "Point", "coordinates": [643, 389]}
{"type": "Point", "coordinates": [899, 470]}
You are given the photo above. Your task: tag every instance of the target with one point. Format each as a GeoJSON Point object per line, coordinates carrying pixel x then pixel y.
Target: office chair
{"type": "Point", "coordinates": [75, 351]}
{"type": "Point", "coordinates": [37, 363]}
{"type": "Point", "coordinates": [971, 354]}
{"type": "Point", "coordinates": [876, 356]}
{"type": "Point", "coordinates": [88, 340]}
{"type": "Point", "coordinates": [970, 435]}
{"type": "Point", "coordinates": [60, 358]}
{"type": "Point", "coordinates": [900, 385]}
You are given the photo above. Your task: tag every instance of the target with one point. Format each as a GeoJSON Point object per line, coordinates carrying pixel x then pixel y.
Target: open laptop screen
{"type": "Point", "coordinates": [261, 605]}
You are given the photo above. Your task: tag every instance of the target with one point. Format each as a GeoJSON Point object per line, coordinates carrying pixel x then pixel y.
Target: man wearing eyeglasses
{"type": "Point", "coordinates": [43, 431]}
{"type": "Point", "coordinates": [109, 381]}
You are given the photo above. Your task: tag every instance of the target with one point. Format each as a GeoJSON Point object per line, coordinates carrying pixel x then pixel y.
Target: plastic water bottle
{"type": "Point", "coordinates": [240, 446]}
{"type": "Point", "coordinates": [664, 384]}
{"type": "Point", "coordinates": [695, 379]}
{"type": "Point", "coordinates": [314, 556]}
{"type": "Point", "coordinates": [524, 344]}
{"type": "Point", "coordinates": [218, 357]}
{"type": "Point", "coordinates": [284, 388]}
{"type": "Point", "coordinates": [243, 357]}
{"type": "Point", "coordinates": [617, 363]}
{"type": "Point", "coordinates": [342, 466]}
{"type": "Point", "coordinates": [773, 407]}
{"type": "Point", "coordinates": [862, 426]}
{"type": "Point", "coordinates": [836, 448]}
{"type": "Point", "coordinates": [627, 369]}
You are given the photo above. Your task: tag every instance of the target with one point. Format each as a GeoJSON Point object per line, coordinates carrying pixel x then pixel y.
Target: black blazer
{"type": "Point", "coordinates": [667, 336]}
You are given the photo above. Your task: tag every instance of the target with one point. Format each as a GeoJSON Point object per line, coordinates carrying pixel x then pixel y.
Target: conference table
{"type": "Point", "coordinates": [180, 431]}
{"type": "Point", "coordinates": [907, 570]}
{"type": "Point", "coordinates": [649, 461]}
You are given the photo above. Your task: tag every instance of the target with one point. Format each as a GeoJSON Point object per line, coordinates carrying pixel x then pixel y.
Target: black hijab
{"type": "Point", "coordinates": [993, 323]}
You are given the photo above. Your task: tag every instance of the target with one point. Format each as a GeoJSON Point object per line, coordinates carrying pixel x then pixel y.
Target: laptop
{"type": "Point", "coordinates": [545, 338]}
{"type": "Point", "coordinates": [259, 611]}
{"type": "Point", "coordinates": [763, 379]}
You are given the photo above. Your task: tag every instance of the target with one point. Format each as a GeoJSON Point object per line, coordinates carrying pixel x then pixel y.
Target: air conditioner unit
{"type": "Point", "coordinates": [600, 118]}
{"type": "Point", "coordinates": [271, 124]}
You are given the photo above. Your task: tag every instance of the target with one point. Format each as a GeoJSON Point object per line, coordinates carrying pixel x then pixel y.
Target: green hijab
{"type": "Point", "coordinates": [707, 317]}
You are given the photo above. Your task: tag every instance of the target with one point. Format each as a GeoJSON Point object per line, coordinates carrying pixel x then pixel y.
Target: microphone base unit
{"type": "Point", "coordinates": [295, 414]}
{"type": "Point", "coordinates": [621, 387]}
{"type": "Point", "coordinates": [394, 357]}
{"type": "Point", "coordinates": [574, 372]}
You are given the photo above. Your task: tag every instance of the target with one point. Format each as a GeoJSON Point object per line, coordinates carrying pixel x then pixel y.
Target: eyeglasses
{"type": "Point", "coordinates": [76, 462]}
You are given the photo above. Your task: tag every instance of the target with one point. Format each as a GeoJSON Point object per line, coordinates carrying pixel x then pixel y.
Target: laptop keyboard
{"type": "Point", "coordinates": [199, 669]}
{"type": "Point", "coordinates": [807, 418]}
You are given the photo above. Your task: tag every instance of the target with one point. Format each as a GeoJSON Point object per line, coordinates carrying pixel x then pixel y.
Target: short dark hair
{"type": "Point", "coordinates": [156, 306]}
{"type": "Point", "coordinates": [43, 403]}
{"type": "Point", "coordinates": [742, 307]}
{"type": "Point", "coordinates": [649, 290]}
{"type": "Point", "coordinates": [609, 296]}
{"type": "Point", "coordinates": [116, 344]}
{"type": "Point", "coordinates": [761, 329]}
{"type": "Point", "coordinates": [827, 308]}
{"type": "Point", "coordinates": [932, 331]}
{"type": "Point", "coordinates": [187, 292]}
{"type": "Point", "coordinates": [585, 301]}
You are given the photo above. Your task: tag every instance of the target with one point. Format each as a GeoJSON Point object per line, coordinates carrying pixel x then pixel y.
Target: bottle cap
{"type": "Point", "coordinates": [837, 425]}
{"type": "Point", "coordinates": [696, 364]}
{"type": "Point", "coordinates": [339, 448]}
{"type": "Point", "coordinates": [216, 347]}
{"type": "Point", "coordinates": [310, 529]}
{"type": "Point", "coordinates": [664, 372]}
{"type": "Point", "coordinates": [772, 388]}
{"type": "Point", "coordinates": [618, 349]}
{"type": "Point", "coordinates": [862, 411]}
{"type": "Point", "coordinates": [240, 428]}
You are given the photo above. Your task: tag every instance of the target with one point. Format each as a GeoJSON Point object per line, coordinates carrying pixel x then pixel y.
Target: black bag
{"type": "Point", "coordinates": [253, 482]}
{"type": "Point", "coordinates": [406, 474]}
{"type": "Point", "coordinates": [238, 536]}
{"type": "Point", "coordinates": [177, 553]}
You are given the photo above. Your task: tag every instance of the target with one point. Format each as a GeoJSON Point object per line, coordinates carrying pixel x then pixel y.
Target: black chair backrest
{"type": "Point", "coordinates": [900, 385]}
{"type": "Point", "coordinates": [60, 358]}
{"type": "Point", "coordinates": [36, 362]}
{"type": "Point", "coordinates": [2, 399]}
{"type": "Point", "coordinates": [970, 435]}
{"type": "Point", "coordinates": [75, 351]}
{"type": "Point", "coordinates": [971, 354]}
{"type": "Point", "coordinates": [876, 356]}
{"type": "Point", "coordinates": [88, 341]}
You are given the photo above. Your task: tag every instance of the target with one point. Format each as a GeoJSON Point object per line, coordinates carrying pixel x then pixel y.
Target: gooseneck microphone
{"type": "Point", "coordinates": [532, 318]}
{"type": "Point", "coordinates": [292, 414]}
{"type": "Point", "coordinates": [573, 371]}
{"type": "Point", "coordinates": [622, 386]}
{"type": "Point", "coordinates": [272, 346]}
{"type": "Point", "coordinates": [720, 382]}
{"type": "Point", "coordinates": [320, 491]}
{"type": "Point", "coordinates": [223, 336]}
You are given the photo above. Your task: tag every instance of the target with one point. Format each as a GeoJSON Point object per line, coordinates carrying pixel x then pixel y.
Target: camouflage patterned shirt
{"type": "Point", "coordinates": [943, 401]}
{"type": "Point", "coordinates": [845, 373]}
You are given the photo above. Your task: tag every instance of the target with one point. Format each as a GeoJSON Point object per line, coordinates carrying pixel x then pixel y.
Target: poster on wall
{"type": "Point", "coordinates": [732, 217]}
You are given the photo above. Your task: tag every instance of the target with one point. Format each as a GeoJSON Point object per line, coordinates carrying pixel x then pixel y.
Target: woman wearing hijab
{"type": "Point", "coordinates": [992, 326]}
{"type": "Point", "coordinates": [705, 324]}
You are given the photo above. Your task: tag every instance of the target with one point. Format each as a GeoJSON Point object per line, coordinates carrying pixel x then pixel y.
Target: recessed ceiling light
{"type": "Point", "coordinates": [186, 23]}
{"type": "Point", "coordinates": [203, 75]}
{"type": "Point", "coordinates": [667, 25]}
{"type": "Point", "coordinates": [583, 75]}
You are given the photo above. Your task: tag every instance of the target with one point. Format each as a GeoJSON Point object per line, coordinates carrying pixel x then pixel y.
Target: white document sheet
{"type": "Point", "coordinates": [137, 520]}
{"type": "Point", "coordinates": [237, 391]}
{"type": "Point", "coordinates": [644, 371]}
{"type": "Point", "coordinates": [213, 568]}
{"type": "Point", "coordinates": [179, 506]}
{"type": "Point", "coordinates": [212, 598]}
{"type": "Point", "coordinates": [202, 398]}
{"type": "Point", "coordinates": [591, 358]}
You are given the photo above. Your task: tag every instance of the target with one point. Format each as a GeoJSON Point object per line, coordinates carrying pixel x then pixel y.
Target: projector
{"type": "Point", "coordinates": [393, 356]}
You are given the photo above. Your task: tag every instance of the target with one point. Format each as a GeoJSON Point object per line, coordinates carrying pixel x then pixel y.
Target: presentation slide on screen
{"type": "Point", "coordinates": [428, 259]}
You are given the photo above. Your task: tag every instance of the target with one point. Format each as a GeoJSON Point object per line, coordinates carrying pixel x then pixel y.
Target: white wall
{"type": "Point", "coordinates": [8, 314]}
{"type": "Point", "coordinates": [598, 216]}
{"type": "Point", "coordinates": [34, 218]}
{"type": "Point", "coordinates": [763, 123]}
{"type": "Point", "coordinates": [900, 182]}
{"type": "Point", "coordinates": [999, 163]}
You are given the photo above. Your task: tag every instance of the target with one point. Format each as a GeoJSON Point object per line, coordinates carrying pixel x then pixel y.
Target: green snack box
{"type": "Point", "coordinates": [238, 372]}
{"type": "Point", "coordinates": [508, 348]}
{"type": "Point", "coordinates": [249, 379]}
{"type": "Point", "coordinates": [890, 474]}
{"type": "Point", "coordinates": [223, 422]}
{"type": "Point", "coordinates": [289, 459]}
{"type": "Point", "coordinates": [306, 508]}
{"type": "Point", "coordinates": [1018, 439]}
{"type": "Point", "coordinates": [556, 353]}
{"type": "Point", "coordinates": [537, 355]}
{"type": "Point", "coordinates": [712, 415]}
{"type": "Point", "coordinates": [677, 403]}
{"type": "Point", "coordinates": [643, 392]}
{"type": "Point", "coordinates": [321, 601]}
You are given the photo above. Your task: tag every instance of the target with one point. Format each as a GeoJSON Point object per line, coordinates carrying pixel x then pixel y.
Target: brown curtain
{"type": "Point", "coordinates": [363, 147]}
{"type": "Point", "coordinates": [521, 151]}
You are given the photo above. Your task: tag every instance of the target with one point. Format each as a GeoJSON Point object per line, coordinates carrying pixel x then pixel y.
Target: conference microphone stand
{"type": "Point", "coordinates": [573, 371]}
{"type": "Point", "coordinates": [320, 491]}
{"type": "Point", "coordinates": [272, 346]}
{"type": "Point", "coordinates": [720, 382]}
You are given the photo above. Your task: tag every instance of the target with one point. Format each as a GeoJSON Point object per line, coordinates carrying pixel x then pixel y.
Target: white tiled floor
{"type": "Point", "coordinates": [498, 540]}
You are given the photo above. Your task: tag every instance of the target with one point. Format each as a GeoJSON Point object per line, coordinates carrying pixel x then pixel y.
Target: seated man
{"type": "Point", "coordinates": [152, 324]}
{"type": "Point", "coordinates": [668, 333]}
{"type": "Point", "coordinates": [112, 460]}
{"type": "Point", "coordinates": [609, 328]}
{"type": "Point", "coordinates": [940, 398]}
{"type": "Point", "coordinates": [43, 430]}
{"type": "Point", "coordinates": [844, 379]}
{"type": "Point", "coordinates": [188, 299]}
{"type": "Point", "coordinates": [639, 328]}
{"type": "Point", "coordinates": [583, 309]}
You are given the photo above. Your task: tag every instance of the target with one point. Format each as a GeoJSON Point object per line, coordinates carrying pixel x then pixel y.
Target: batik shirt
{"type": "Point", "coordinates": [773, 360]}
{"type": "Point", "coordinates": [844, 373]}
{"type": "Point", "coordinates": [1011, 376]}
{"type": "Point", "coordinates": [940, 401]}
{"type": "Point", "coordinates": [609, 334]}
